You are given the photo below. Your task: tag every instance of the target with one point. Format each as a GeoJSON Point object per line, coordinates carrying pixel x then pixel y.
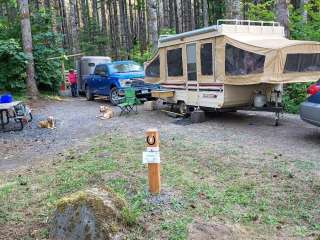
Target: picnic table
{"type": "Point", "coordinates": [16, 111]}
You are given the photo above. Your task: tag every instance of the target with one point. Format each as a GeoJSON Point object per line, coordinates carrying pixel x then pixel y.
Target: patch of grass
{"type": "Point", "coordinates": [198, 182]}
{"type": "Point", "coordinates": [177, 229]}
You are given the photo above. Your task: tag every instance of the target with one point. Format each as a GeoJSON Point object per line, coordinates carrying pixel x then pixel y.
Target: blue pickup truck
{"type": "Point", "coordinates": [109, 79]}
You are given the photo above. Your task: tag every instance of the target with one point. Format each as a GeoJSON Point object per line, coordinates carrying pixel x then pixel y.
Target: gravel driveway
{"type": "Point", "coordinates": [76, 123]}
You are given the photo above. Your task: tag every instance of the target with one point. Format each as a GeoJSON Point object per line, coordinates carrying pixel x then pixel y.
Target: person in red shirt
{"type": "Point", "coordinates": [72, 78]}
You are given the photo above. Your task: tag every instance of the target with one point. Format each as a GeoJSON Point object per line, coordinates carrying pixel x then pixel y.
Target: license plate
{"type": "Point", "coordinates": [144, 91]}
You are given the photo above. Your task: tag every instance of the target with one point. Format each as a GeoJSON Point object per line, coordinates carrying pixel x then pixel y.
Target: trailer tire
{"type": "Point", "coordinates": [182, 108]}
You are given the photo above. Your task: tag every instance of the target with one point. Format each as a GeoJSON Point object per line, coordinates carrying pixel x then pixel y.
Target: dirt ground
{"type": "Point", "coordinates": [235, 166]}
{"type": "Point", "coordinates": [76, 123]}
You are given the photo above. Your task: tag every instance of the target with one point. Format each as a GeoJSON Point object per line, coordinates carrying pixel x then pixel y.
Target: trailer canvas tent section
{"type": "Point", "coordinates": [224, 66]}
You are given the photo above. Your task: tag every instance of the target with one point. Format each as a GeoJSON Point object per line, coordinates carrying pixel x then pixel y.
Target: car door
{"type": "Point", "coordinates": [96, 80]}
{"type": "Point", "coordinates": [104, 84]}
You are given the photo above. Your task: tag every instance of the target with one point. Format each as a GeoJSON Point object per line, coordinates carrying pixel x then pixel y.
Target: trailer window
{"type": "Point", "coordinates": [174, 62]}
{"type": "Point", "coordinates": [302, 62]}
{"type": "Point", "coordinates": [206, 59]}
{"type": "Point", "coordinates": [241, 62]}
{"type": "Point", "coordinates": [153, 69]}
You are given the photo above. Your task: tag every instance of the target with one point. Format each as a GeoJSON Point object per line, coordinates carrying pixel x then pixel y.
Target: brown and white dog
{"type": "Point", "coordinates": [49, 123]}
{"type": "Point", "coordinates": [106, 113]}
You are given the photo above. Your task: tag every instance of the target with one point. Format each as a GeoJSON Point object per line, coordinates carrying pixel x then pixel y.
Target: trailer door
{"type": "Point", "coordinates": [192, 83]}
{"type": "Point", "coordinates": [192, 62]}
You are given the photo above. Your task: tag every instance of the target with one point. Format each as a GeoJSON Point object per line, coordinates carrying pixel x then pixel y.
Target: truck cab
{"type": "Point", "coordinates": [109, 79]}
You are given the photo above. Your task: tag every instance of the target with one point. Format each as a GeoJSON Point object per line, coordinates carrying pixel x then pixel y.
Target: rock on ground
{"type": "Point", "coordinates": [92, 214]}
{"type": "Point", "coordinates": [199, 230]}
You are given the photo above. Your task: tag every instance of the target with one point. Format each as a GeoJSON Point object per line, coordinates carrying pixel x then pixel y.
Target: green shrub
{"type": "Point", "coordinates": [48, 71]}
{"type": "Point", "coordinates": [12, 66]}
{"type": "Point", "coordinates": [294, 94]}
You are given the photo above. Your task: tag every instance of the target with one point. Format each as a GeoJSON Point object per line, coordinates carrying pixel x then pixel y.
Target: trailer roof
{"type": "Point", "coordinates": [242, 30]}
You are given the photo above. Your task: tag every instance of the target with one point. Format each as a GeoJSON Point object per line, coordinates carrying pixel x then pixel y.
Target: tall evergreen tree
{"type": "Point", "coordinates": [32, 89]}
{"type": "Point", "coordinates": [152, 22]}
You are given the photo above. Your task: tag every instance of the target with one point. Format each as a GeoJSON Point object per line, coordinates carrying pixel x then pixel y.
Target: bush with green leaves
{"type": "Point", "coordinates": [12, 66]}
{"type": "Point", "coordinates": [48, 70]}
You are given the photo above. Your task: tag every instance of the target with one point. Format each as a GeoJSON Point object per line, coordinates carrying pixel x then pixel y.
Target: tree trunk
{"type": "Point", "coordinates": [74, 27]}
{"type": "Point", "coordinates": [103, 16]}
{"type": "Point", "coordinates": [232, 9]}
{"type": "Point", "coordinates": [142, 26]}
{"type": "Point", "coordinates": [176, 16]}
{"type": "Point", "coordinates": [95, 20]}
{"type": "Point", "coordinates": [205, 13]}
{"type": "Point", "coordinates": [165, 13]}
{"type": "Point", "coordinates": [53, 14]}
{"type": "Point", "coordinates": [152, 22]}
{"type": "Point", "coordinates": [304, 12]}
{"type": "Point", "coordinates": [196, 13]}
{"type": "Point", "coordinates": [116, 29]}
{"type": "Point", "coordinates": [187, 15]}
{"type": "Point", "coordinates": [64, 24]}
{"type": "Point", "coordinates": [171, 14]}
{"type": "Point", "coordinates": [283, 14]}
{"type": "Point", "coordinates": [124, 27]}
{"type": "Point", "coordinates": [84, 13]}
{"type": "Point", "coordinates": [132, 30]}
{"type": "Point", "coordinates": [32, 89]}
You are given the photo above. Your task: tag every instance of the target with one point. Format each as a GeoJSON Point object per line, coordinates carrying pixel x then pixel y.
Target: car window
{"type": "Point", "coordinates": [125, 67]}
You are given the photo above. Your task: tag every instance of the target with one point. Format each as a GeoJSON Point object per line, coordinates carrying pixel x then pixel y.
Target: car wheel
{"type": "Point", "coordinates": [114, 97]}
{"type": "Point", "coordinates": [89, 95]}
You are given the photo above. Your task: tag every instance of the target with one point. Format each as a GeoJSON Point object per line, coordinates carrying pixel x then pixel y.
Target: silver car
{"type": "Point", "coordinates": [310, 109]}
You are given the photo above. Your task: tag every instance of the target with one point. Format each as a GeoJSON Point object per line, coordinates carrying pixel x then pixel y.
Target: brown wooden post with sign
{"type": "Point", "coordinates": [153, 143]}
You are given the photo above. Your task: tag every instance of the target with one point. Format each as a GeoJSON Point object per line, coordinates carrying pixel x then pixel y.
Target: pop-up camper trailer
{"type": "Point", "coordinates": [237, 64]}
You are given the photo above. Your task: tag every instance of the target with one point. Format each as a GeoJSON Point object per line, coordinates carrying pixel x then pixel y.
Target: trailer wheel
{"type": "Point", "coordinates": [182, 108]}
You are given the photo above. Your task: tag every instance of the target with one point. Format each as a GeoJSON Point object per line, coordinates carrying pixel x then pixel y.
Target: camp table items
{"type": "Point", "coordinates": [18, 112]}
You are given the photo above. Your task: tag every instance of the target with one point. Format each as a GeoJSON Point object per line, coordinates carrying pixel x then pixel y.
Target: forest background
{"type": "Point", "coordinates": [128, 29]}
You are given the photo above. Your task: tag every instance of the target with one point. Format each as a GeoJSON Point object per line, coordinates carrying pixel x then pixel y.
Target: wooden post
{"type": "Point", "coordinates": [152, 143]}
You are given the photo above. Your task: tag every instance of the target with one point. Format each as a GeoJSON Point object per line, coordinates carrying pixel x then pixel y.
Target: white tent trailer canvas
{"type": "Point", "coordinates": [233, 65]}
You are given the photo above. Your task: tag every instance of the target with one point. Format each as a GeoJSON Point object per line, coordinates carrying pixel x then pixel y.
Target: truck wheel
{"type": "Point", "coordinates": [114, 97]}
{"type": "Point", "coordinates": [89, 95]}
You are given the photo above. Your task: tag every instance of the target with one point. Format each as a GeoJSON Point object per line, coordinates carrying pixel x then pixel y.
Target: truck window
{"type": "Point", "coordinates": [302, 62]}
{"type": "Point", "coordinates": [174, 62]}
{"type": "Point", "coordinates": [153, 69]}
{"type": "Point", "coordinates": [241, 62]}
{"type": "Point", "coordinates": [125, 67]}
{"type": "Point", "coordinates": [99, 70]}
{"type": "Point", "coordinates": [206, 59]}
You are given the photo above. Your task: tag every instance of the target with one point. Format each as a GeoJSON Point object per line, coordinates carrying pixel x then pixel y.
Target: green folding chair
{"type": "Point", "coordinates": [130, 101]}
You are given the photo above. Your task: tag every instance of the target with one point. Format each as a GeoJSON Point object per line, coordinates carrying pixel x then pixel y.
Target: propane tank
{"type": "Point", "coordinates": [260, 100]}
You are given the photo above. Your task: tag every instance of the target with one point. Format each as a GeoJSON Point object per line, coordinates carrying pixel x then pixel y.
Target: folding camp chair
{"type": "Point", "coordinates": [130, 101]}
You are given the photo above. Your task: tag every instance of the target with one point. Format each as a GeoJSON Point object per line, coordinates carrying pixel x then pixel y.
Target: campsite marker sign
{"type": "Point", "coordinates": [152, 158]}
